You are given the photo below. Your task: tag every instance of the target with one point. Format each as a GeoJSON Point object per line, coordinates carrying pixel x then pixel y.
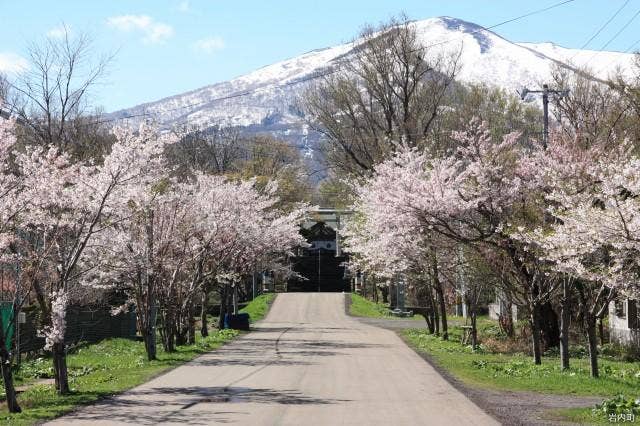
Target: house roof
{"type": "Point", "coordinates": [319, 232]}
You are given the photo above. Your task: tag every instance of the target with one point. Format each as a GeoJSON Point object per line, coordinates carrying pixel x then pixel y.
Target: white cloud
{"type": "Point", "coordinates": [184, 6]}
{"type": "Point", "coordinates": [11, 63]}
{"type": "Point", "coordinates": [209, 45]}
{"type": "Point", "coordinates": [59, 32]}
{"type": "Point", "coordinates": [154, 32]}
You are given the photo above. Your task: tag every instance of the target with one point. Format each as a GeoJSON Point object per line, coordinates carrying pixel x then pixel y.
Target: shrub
{"type": "Point", "coordinates": [621, 352]}
{"type": "Point", "coordinates": [39, 368]}
{"type": "Point", "coordinates": [617, 405]}
{"type": "Point", "coordinates": [506, 346]}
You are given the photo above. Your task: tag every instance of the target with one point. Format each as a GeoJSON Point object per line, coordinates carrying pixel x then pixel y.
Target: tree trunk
{"type": "Point", "coordinates": [192, 326]}
{"type": "Point", "coordinates": [223, 306]}
{"type": "Point", "coordinates": [385, 294]}
{"type": "Point", "coordinates": [474, 327]}
{"type": "Point", "coordinates": [535, 334]}
{"type": "Point", "coordinates": [440, 294]}
{"type": "Point", "coordinates": [590, 321]}
{"type": "Point", "coordinates": [60, 363]}
{"type": "Point", "coordinates": [549, 326]}
{"type": "Point", "coordinates": [429, 316]}
{"type": "Point", "coordinates": [429, 319]}
{"type": "Point", "coordinates": [169, 332]}
{"type": "Point", "coordinates": [565, 317]}
{"type": "Point", "coordinates": [443, 316]}
{"type": "Point", "coordinates": [505, 319]}
{"type": "Point", "coordinates": [204, 326]}
{"type": "Point", "coordinates": [7, 374]}
{"type": "Point", "coordinates": [149, 284]}
{"type": "Point", "coordinates": [182, 333]}
{"type": "Point", "coordinates": [436, 316]}
{"type": "Point", "coordinates": [393, 295]}
{"type": "Point", "coordinates": [230, 298]}
{"type": "Point", "coordinates": [150, 334]}
{"type": "Point", "coordinates": [601, 331]}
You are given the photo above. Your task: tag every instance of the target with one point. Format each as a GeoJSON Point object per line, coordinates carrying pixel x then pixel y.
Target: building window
{"type": "Point", "coordinates": [632, 310]}
{"type": "Point", "coordinates": [621, 308]}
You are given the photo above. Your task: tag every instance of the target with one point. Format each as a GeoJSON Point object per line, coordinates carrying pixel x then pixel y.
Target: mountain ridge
{"type": "Point", "coordinates": [266, 97]}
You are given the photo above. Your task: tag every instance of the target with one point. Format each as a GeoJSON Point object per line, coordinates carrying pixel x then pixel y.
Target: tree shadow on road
{"type": "Point", "coordinates": [176, 404]}
{"type": "Point", "coordinates": [289, 352]}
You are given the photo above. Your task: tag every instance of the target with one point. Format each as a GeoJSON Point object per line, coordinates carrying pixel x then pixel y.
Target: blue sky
{"type": "Point", "coordinates": [165, 47]}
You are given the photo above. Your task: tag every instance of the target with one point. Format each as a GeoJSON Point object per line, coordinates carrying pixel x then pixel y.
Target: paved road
{"type": "Point", "coordinates": [307, 363]}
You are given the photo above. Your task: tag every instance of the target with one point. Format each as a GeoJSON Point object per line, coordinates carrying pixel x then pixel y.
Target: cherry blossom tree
{"type": "Point", "coordinates": [250, 229]}
{"type": "Point", "coordinates": [592, 238]}
{"type": "Point", "coordinates": [477, 195]}
{"type": "Point", "coordinates": [11, 206]}
{"type": "Point", "coordinates": [84, 227]}
{"type": "Point", "coordinates": [69, 205]}
{"type": "Point", "coordinates": [174, 241]}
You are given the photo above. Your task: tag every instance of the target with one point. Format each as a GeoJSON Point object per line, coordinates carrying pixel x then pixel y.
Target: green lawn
{"type": "Point", "coordinates": [581, 416]}
{"type": "Point", "coordinates": [107, 368]}
{"type": "Point", "coordinates": [517, 371]}
{"type": "Point", "coordinates": [259, 307]}
{"type": "Point", "coordinates": [361, 307]}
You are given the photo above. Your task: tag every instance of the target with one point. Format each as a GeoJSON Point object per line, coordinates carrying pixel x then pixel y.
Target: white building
{"type": "Point", "coordinates": [624, 325]}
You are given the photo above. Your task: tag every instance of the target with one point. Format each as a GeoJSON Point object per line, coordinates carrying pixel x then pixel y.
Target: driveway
{"type": "Point", "coordinates": [307, 363]}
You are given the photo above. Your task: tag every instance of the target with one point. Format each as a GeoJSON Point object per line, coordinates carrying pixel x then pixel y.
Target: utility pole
{"type": "Point", "coordinates": [234, 297]}
{"type": "Point", "coordinates": [253, 284]}
{"type": "Point", "coordinates": [338, 248]}
{"type": "Point", "coordinates": [545, 106]}
{"type": "Point", "coordinates": [319, 250]}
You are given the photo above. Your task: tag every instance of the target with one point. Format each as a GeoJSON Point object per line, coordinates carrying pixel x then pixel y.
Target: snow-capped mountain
{"type": "Point", "coordinates": [266, 99]}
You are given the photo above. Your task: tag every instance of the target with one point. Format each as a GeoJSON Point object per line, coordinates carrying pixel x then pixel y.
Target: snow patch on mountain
{"type": "Point", "coordinates": [267, 99]}
{"type": "Point", "coordinates": [603, 64]}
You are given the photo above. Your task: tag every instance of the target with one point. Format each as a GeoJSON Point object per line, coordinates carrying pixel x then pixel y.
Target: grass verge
{"type": "Point", "coordinates": [580, 416]}
{"type": "Point", "coordinates": [361, 307]}
{"type": "Point", "coordinates": [517, 372]}
{"type": "Point", "coordinates": [107, 368]}
{"type": "Point", "coordinates": [259, 307]}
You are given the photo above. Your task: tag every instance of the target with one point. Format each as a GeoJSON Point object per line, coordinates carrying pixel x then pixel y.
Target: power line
{"type": "Point", "coordinates": [336, 68]}
{"type": "Point", "coordinates": [238, 95]}
{"type": "Point", "coordinates": [621, 30]}
{"type": "Point", "coordinates": [635, 15]}
{"type": "Point", "coordinates": [632, 46]}
{"type": "Point", "coordinates": [604, 25]}
{"type": "Point", "coordinates": [508, 21]}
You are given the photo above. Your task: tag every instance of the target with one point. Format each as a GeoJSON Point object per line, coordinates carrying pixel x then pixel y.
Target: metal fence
{"type": "Point", "coordinates": [84, 323]}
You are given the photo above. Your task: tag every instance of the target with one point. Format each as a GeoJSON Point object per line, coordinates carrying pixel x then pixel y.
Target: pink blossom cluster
{"type": "Point", "coordinates": [593, 197]}
{"type": "Point", "coordinates": [90, 226]}
{"type": "Point", "coordinates": [573, 208]}
{"type": "Point", "coordinates": [414, 199]}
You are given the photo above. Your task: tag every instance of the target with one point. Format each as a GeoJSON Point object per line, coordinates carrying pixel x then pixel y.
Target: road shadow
{"type": "Point", "coordinates": [176, 404]}
{"type": "Point", "coordinates": [288, 352]}
{"type": "Point", "coordinates": [298, 328]}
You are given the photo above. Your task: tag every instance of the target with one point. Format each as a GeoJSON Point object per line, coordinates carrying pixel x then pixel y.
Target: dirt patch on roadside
{"type": "Point", "coordinates": [526, 408]}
